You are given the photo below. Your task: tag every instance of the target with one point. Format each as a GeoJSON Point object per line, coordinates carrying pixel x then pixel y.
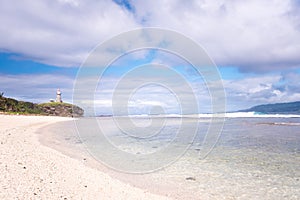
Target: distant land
{"type": "Point", "coordinates": [13, 106]}
{"type": "Point", "coordinates": [277, 108]}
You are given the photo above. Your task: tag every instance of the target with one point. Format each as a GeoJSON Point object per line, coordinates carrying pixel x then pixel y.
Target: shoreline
{"type": "Point", "coordinates": [31, 170]}
{"type": "Point", "coordinates": [78, 151]}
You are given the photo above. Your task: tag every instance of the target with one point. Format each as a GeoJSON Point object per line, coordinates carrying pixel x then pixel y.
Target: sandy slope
{"type": "Point", "coordinates": [29, 170]}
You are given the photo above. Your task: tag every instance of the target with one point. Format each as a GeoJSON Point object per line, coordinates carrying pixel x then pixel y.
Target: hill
{"type": "Point", "coordinates": [277, 108]}
{"type": "Point", "coordinates": [9, 105]}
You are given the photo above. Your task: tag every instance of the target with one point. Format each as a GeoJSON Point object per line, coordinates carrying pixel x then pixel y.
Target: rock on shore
{"type": "Point", "coordinates": [61, 109]}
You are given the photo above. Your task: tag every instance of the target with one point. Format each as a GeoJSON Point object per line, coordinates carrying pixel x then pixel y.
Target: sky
{"type": "Point", "coordinates": [255, 45]}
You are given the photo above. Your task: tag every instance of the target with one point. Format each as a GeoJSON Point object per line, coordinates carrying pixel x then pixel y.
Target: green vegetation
{"type": "Point", "coordinates": [12, 106]}
{"type": "Point", "coordinates": [55, 104]}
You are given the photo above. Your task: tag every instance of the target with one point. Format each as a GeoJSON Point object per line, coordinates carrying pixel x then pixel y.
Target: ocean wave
{"type": "Point", "coordinates": [226, 115]}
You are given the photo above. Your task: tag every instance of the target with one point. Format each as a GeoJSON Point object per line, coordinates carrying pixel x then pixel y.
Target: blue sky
{"type": "Point", "coordinates": [14, 64]}
{"type": "Point", "coordinates": [255, 45]}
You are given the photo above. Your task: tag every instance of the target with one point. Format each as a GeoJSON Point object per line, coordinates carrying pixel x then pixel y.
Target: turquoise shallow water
{"type": "Point", "coordinates": [253, 157]}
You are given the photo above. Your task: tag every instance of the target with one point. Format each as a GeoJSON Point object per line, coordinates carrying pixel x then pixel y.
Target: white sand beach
{"type": "Point", "coordinates": [37, 163]}
{"type": "Point", "coordinates": [29, 170]}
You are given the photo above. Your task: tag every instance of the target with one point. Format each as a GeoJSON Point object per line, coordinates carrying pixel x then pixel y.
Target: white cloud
{"type": "Point", "coordinates": [59, 32]}
{"type": "Point", "coordinates": [145, 94]}
{"type": "Point", "coordinates": [256, 35]}
{"type": "Point", "coordinates": [251, 91]}
{"type": "Point", "coordinates": [259, 35]}
{"type": "Point", "coordinates": [36, 88]}
{"type": "Point", "coordinates": [241, 93]}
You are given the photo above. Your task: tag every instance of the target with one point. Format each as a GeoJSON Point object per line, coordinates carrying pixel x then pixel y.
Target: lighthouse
{"type": "Point", "coordinates": [58, 96]}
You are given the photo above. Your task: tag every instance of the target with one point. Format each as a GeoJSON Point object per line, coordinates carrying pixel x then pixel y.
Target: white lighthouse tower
{"type": "Point", "coordinates": [58, 96]}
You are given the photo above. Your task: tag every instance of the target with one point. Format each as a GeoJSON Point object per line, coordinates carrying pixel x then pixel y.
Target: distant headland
{"type": "Point", "coordinates": [52, 108]}
{"type": "Point", "coordinates": [277, 108]}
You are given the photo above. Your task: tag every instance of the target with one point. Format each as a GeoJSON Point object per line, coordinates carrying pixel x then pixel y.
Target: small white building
{"type": "Point", "coordinates": [58, 96]}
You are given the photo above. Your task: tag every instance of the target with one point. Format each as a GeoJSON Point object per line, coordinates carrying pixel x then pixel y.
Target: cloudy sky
{"type": "Point", "coordinates": [254, 43]}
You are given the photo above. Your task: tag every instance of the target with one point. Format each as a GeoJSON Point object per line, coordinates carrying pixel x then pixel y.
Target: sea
{"type": "Point", "coordinates": [201, 156]}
